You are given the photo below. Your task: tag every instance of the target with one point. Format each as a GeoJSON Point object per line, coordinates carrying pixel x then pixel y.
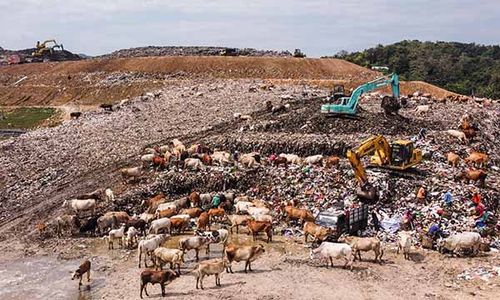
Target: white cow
{"type": "Point", "coordinates": [334, 250]}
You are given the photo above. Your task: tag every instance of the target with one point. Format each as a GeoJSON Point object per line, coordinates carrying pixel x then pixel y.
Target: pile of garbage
{"type": "Point", "coordinates": [193, 51]}
{"type": "Point", "coordinates": [482, 273]}
{"type": "Point", "coordinates": [26, 55]}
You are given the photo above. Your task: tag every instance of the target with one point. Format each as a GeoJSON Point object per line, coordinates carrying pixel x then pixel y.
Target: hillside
{"type": "Point", "coordinates": [97, 81]}
{"type": "Point", "coordinates": [462, 68]}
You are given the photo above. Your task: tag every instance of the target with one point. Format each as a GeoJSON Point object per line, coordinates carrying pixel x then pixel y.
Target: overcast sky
{"type": "Point", "coordinates": [318, 27]}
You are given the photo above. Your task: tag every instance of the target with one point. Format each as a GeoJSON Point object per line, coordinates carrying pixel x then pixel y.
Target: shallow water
{"type": "Point", "coordinates": [44, 278]}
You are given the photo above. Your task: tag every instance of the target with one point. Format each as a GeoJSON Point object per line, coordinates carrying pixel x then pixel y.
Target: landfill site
{"type": "Point", "coordinates": [327, 179]}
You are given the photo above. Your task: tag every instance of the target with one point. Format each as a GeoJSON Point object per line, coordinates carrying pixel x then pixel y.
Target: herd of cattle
{"type": "Point", "coordinates": [198, 213]}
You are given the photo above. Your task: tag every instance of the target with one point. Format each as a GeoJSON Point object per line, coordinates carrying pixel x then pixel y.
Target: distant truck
{"type": "Point", "coordinates": [352, 221]}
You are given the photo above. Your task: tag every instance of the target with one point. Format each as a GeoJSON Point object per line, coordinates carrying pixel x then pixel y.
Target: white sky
{"type": "Point", "coordinates": [318, 27]}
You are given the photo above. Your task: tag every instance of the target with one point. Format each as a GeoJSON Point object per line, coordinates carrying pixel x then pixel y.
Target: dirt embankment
{"type": "Point", "coordinates": [108, 80]}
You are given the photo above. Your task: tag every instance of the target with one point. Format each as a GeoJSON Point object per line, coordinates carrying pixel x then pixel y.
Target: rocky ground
{"type": "Point", "coordinates": [44, 167]}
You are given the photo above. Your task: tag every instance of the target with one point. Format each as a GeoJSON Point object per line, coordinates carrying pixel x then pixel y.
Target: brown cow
{"type": "Point", "coordinates": [166, 213]}
{"type": "Point", "coordinates": [453, 159]}
{"type": "Point", "coordinates": [153, 277]}
{"type": "Point", "coordinates": [254, 227]}
{"type": "Point", "coordinates": [247, 254]}
{"type": "Point", "coordinates": [474, 175]}
{"type": "Point", "coordinates": [193, 212]}
{"type": "Point", "coordinates": [478, 159]}
{"type": "Point", "coordinates": [280, 161]}
{"type": "Point", "coordinates": [203, 222]}
{"type": "Point", "coordinates": [364, 244]}
{"type": "Point", "coordinates": [319, 233]}
{"type": "Point", "coordinates": [216, 212]}
{"type": "Point", "coordinates": [331, 161]}
{"type": "Point", "coordinates": [178, 223]}
{"type": "Point", "coordinates": [153, 203]}
{"type": "Point", "coordinates": [159, 162]}
{"type": "Point", "coordinates": [303, 215]}
{"type": "Point", "coordinates": [194, 199]}
{"type": "Point", "coordinates": [206, 159]}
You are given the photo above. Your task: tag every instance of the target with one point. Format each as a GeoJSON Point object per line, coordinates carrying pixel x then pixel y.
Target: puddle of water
{"type": "Point", "coordinates": [44, 278]}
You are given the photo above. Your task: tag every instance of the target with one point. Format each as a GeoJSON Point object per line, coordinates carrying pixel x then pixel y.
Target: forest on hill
{"type": "Point", "coordinates": [468, 69]}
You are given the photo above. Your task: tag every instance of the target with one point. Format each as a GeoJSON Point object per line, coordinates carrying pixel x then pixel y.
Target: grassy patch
{"type": "Point", "coordinates": [25, 118]}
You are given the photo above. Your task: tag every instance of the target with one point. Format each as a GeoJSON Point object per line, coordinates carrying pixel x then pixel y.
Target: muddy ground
{"type": "Point", "coordinates": [284, 272]}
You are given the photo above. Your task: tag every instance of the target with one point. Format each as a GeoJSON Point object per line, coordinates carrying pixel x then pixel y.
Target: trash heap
{"type": "Point", "coordinates": [193, 51]}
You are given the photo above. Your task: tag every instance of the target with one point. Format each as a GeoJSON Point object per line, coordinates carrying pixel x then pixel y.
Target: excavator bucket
{"type": "Point", "coordinates": [367, 193]}
{"type": "Point", "coordinates": [390, 105]}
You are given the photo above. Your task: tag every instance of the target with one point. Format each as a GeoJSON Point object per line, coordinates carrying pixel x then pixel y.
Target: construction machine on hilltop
{"type": "Point", "coordinates": [348, 105]}
{"type": "Point", "coordinates": [399, 155]}
{"type": "Point", "coordinates": [45, 49]}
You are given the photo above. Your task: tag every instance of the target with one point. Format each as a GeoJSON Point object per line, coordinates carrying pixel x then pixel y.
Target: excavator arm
{"type": "Point", "coordinates": [374, 144]}
{"type": "Point", "coordinates": [349, 105]}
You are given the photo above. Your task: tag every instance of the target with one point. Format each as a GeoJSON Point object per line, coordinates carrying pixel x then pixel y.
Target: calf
{"type": "Point", "coordinates": [82, 269]}
{"type": "Point", "coordinates": [334, 250]}
{"type": "Point", "coordinates": [248, 254]}
{"type": "Point", "coordinates": [254, 227]}
{"type": "Point", "coordinates": [210, 267]}
{"type": "Point", "coordinates": [319, 233]}
{"type": "Point", "coordinates": [153, 277]}
{"type": "Point", "coordinates": [116, 234]}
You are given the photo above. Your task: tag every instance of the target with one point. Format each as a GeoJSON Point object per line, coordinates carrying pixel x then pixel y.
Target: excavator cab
{"type": "Point", "coordinates": [401, 153]}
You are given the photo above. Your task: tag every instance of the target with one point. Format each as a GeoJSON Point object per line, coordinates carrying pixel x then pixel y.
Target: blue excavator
{"type": "Point", "coordinates": [347, 106]}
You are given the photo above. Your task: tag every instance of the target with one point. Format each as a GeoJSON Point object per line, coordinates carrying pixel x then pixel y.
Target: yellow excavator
{"type": "Point", "coordinates": [400, 155]}
{"type": "Point", "coordinates": [42, 48]}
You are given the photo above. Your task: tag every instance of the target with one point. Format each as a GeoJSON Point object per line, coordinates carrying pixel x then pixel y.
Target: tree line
{"type": "Point", "coordinates": [468, 69]}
